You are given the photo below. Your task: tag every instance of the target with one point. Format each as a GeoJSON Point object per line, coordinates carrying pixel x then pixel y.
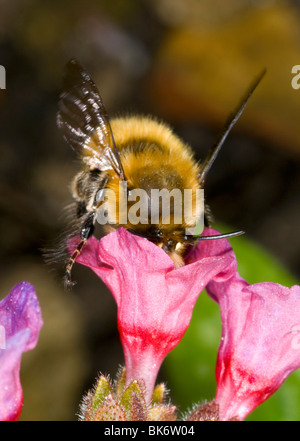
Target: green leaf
{"type": "Point", "coordinates": [190, 366]}
{"type": "Point", "coordinates": [132, 396]}
{"type": "Point", "coordinates": [103, 389]}
{"type": "Point", "coordinates": [158, 394]}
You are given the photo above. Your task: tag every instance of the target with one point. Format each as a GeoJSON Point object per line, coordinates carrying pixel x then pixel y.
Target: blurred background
{"type": "Point", "coordinates": [189, 63]}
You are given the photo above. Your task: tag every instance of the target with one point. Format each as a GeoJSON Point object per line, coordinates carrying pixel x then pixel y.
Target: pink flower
{"type": "Point", "coordinates": [260, 344]}
{"type": "Point", "coordinates": [155, 302]}
{"type": "Point", "coordinates": [20, 324]}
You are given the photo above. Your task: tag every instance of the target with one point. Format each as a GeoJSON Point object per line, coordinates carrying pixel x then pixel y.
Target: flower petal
{"type": "Point", "coordinates": [260, 343]}
{"type": "Point", "coordinates": [20, 321]}
{"type": "Point", "coordinates": [155, 302]}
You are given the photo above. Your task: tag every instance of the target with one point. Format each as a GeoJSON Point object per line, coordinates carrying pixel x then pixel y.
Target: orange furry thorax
{"type": "Point", "coordinates": [153, 157]}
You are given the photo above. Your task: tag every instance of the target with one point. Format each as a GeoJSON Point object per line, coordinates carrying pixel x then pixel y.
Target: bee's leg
{"type": "Point", "coordinates": [86, 231]}
{"type": "Point", "coordinates": [87, 214]}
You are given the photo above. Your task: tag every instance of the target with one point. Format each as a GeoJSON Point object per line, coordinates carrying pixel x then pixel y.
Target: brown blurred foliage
{"type": "Point", "coordinates": [186, 62]}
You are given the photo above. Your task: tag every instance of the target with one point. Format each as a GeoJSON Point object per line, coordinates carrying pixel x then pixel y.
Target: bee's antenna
{"type": "Point", "coordinates": [219, 236]}
{"type": "Point", "coordinates": [213, 152]}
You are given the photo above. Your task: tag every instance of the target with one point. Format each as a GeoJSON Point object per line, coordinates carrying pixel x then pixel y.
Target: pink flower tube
{"type": "Point", "coordinates": [155, 302]}
{"type": "Point", "coordinates": [20, 324]}
{"type": "Point", "coordinates": [260, 343]}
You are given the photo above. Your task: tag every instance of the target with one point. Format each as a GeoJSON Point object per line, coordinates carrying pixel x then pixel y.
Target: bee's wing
{"type": "Point", "coordinates": [84, 122]}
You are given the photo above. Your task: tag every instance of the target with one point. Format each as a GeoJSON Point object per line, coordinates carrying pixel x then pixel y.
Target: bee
{"type": "Point", "coordinates": [138, 151]}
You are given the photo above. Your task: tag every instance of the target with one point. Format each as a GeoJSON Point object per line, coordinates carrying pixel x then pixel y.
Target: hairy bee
{"type": "Point", "coordinates": [139, 151]}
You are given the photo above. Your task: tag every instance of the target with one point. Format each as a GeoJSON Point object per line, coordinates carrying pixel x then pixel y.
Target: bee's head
{"type": "Point", "coordinates": [170, 241]}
